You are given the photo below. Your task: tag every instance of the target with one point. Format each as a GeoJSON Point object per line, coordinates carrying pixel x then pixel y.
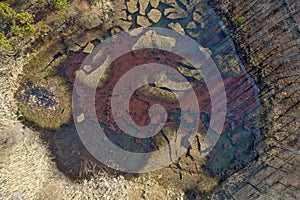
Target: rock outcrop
{"type": "Point", "coordinates": [268, 36]}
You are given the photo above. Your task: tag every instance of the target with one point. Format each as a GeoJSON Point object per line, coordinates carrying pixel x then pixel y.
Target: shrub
{"type": "Point", "coordinates": [7, 14]}
{"type": "Point", "coordinates": [25, 18]}
{"type": "Point", "coordinates": [43, 27]}
{"type": "Point", "coordinates": [22, 31]}
{"type": "Point", "coordinates": [20, 24]}
{"type": "Point", "coordinates": [5, 43]}
{"type": "Point", "coordinates": [23, 24]}
{"type": "Point", "coordinates": [61, 4]}
{"type": "Point", "coordinates": [240, 21]}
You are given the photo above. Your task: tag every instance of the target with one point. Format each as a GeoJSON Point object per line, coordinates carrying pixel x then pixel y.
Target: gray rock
{"type": "Point", "coordinates": [89, 48]}
{"type": "Point", "coordinates": [3, 141]}
{"type": "Point", "coordinates": [154, 15]}
{"type": "Point", "coordinates": [132, 6]}
{"type": "Point", "coordinates": [175, 13]}
{"type": "Point", "coordinates": [170, 2]}
{"type": "Point", "coordinates": [143, 21]}
{"type": "Point", "coordinates": [154, 3]}
{"type": "Point", "coordinates": [177, 27]}
{"type": "Point", "coordinates": [129, 17]}
{"type": "Point", "coordinates": [184, 2]}
{"type": "Point", "coordinates": [122, 15]}
{"type": "Point", "coordinates": [143, 6]}
{"type": "Point", "coordinates": [125, 25]}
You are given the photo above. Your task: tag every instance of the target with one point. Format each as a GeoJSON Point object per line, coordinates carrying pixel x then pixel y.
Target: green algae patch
{"type": "Point", "coordinates": [46, 103]}
{"type": "Point", "coordinates": [240, 21]}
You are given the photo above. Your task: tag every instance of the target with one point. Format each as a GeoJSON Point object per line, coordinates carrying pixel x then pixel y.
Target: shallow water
{"type": "Point", "coordinates": [235, 147]}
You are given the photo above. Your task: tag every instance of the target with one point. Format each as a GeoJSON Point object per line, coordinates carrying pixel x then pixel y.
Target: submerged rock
{"type": "Point", "coordinates": [46, 103]}
{"type": "Point", "coordinates": [191, 25]}
{"type": "Point", "coordinates": [198, 18]}
{"type": "Point", "coordinates": [190, 73]}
